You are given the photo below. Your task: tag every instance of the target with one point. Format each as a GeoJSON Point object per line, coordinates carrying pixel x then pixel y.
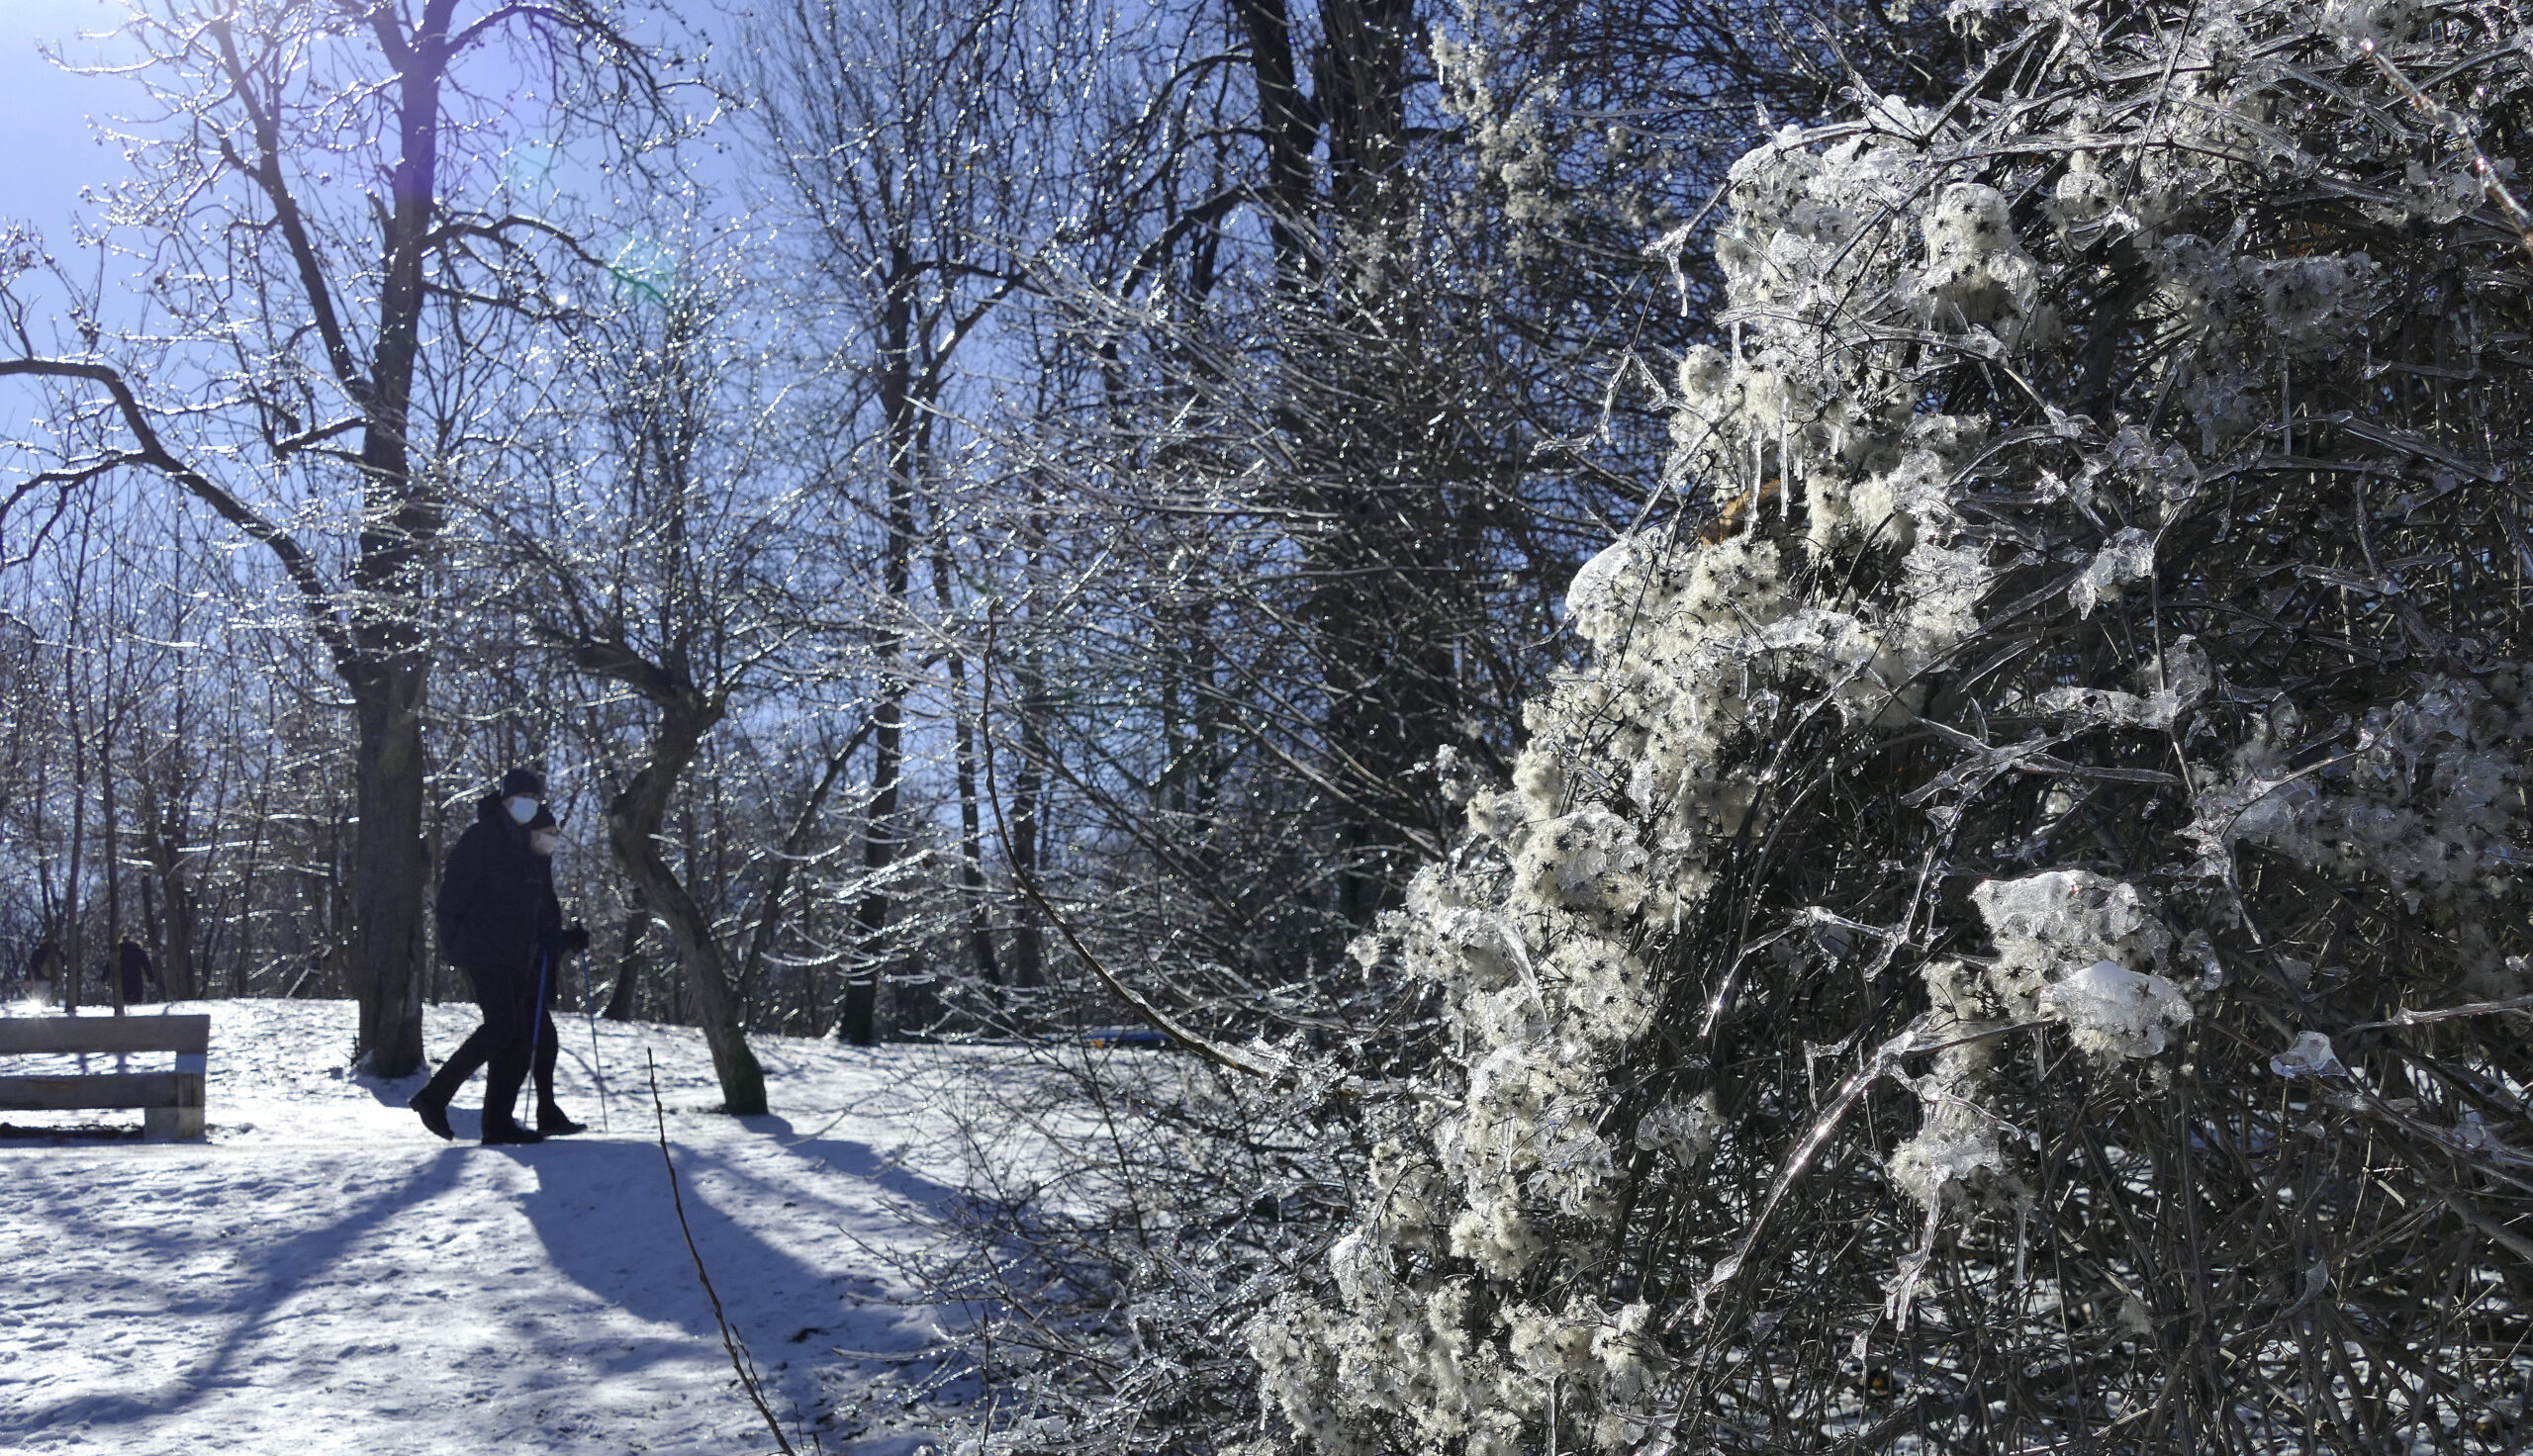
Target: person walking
{"type": "Point", "coordinates": [499, 923]}
{"type": "Point", "coordinates": [140, 976]}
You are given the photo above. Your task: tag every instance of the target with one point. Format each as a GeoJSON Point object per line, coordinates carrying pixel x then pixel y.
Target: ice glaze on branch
{"type": "Point", "coordinates": [153, 454]}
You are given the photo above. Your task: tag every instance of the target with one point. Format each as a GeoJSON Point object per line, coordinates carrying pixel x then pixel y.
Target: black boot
{"type": "Point", "coordinates": [504, 1130]}
{"type": "Point", "coordinates": [433, 1112]}
{"type": "Point", "coordinates": [554, 1123]}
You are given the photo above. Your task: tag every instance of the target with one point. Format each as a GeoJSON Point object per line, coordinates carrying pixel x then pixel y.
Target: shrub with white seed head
{"type": "Point", "coordinates": [2086, 655]}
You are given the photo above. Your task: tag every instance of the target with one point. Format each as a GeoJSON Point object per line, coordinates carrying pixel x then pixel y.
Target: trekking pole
{"type": "Point", "coordinates": [595, 1070]}
{"type": "Point", "coordinates": [537, 1008]}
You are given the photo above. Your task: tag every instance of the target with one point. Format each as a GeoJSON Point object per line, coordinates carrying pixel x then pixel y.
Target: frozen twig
{"type": "Point", "coordinates": [2454, 126]}
{"type": "Point", "coordinates": [2449, 1013]}
{"type": "Point", "coordinates": [739, 1362]}
{"type": "Point", "coordinates": [1159, 1019]}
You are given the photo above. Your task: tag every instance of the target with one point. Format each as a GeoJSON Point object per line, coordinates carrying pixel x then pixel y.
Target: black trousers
{"type": "Point", "coordinates": [517, 1038]}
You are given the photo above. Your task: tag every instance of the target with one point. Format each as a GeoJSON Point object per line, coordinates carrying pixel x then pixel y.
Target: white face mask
{"type": "Point", "coordinates": [544, 840]}
{"type": "Point", "coordinates": [521, 807]}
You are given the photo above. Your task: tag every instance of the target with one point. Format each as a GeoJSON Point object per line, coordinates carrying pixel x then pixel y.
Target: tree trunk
{"type": "Point", "coordinates": [176, 925]}
{"type": "Point", "coordinates": [633, 820]}
{"type": "Point", "coordinates": [388, 870]}
{"type": "Point", "coordinates": [1028, 937]}
{"type": "Point", "coordinates": [1382, 651]}
{"type": "Point", "coordinates": [971, 854]}
{"type": "Point", "coordinates": [859, 1022]}
{"type": "Point", "coordinates": [972, 859]}
{"type": "Point", "coordinates": [74, 942]}
{"type": "Point", "coordinates": [619, 997]}
{"type": "Point", "coordinates": [882, 834]}
{"type": "Point", "coordinates": [114, 870]}
{"type": "Point", "coordinates": [236, 921]}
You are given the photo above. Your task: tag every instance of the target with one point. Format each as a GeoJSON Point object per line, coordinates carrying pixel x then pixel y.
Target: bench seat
{"type": "Point", "coordinates": [170, 1102]}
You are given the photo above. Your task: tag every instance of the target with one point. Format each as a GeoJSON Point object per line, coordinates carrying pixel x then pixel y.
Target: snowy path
{"type": "Point", "coordinates": [323, 1276]}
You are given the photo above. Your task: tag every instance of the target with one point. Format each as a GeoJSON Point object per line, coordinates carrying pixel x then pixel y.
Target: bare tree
{"type": "Point", "coordinates": [663, 559]}
{"type": "Point", "coordinates": [910, 138]}
{"type": "Point", "coordinates": [337, 276]}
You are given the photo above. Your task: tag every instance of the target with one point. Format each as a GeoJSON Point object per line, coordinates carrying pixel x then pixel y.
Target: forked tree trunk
{"type": "Point", "coordinates": [633, 820]}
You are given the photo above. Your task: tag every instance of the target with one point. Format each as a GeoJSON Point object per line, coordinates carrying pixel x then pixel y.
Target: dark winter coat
{"type": "Point", "coordinates": [132, 964]}
{"type": "Point", "coordinates": [496, 905]}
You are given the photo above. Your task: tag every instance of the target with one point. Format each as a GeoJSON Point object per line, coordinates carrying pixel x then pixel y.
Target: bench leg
{"type": "Point", "coordinates": [171, 1124]}
{"type": "Point", "coordinates": [183, 1122]}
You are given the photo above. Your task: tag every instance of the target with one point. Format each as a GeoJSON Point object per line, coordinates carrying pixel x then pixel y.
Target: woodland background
{"type": "Point", "coordinates": [1206, 406]}
{"type": "Point", "coordinates": [1806, 723]}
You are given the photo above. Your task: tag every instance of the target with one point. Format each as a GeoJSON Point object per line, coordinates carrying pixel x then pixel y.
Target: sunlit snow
{"type": "Point", "coordinates": [325, 1276]}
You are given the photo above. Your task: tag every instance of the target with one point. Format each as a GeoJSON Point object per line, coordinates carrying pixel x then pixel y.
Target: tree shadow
{"type": "Point", "coordinates": [771, 1215]}
{"type": "Point", "coordinates": [859, 1161]}
{"type": "Point", "coordinates": [279, 1270]}
{"type": "Point", "coordinates": [604, 1212]}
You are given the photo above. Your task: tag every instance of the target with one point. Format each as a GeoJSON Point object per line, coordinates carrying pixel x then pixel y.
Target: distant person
{"type": "Point", "coordinates": [131, 963]}
{"type": "Point", "coordinates": [499, 923]}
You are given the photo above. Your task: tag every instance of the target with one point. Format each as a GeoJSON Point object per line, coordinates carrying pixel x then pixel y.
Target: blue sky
{"type": "Point", "coordinates": [48, 151]}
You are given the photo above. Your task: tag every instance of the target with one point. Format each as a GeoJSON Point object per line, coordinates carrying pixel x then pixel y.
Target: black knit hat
{"type": "Point", "coordinates": [523, 779]}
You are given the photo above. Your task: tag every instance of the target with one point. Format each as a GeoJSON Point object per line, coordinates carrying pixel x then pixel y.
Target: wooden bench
{"type": "Point", "coordinates": [170, 1102]}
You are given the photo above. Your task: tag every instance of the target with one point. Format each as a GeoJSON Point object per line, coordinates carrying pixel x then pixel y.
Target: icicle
{"type": "Point", "coordinates": [2286, 407]}
{"type": "Point", "coordinates": [1785, 465]}
{"type": "Point", "coordinates": [2022, 1239]}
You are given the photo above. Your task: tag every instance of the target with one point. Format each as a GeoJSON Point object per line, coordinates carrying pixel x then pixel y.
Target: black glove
{"type": "Point", "coordinates": [576, 938]}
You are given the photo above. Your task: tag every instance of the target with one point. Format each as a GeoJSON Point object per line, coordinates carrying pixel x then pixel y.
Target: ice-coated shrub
{"type": "Point", "coordinates": [2013, 934]}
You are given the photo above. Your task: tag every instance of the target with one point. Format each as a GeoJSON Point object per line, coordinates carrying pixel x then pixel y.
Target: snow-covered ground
{"type": "Point", "coordinates": [325, 1276]}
